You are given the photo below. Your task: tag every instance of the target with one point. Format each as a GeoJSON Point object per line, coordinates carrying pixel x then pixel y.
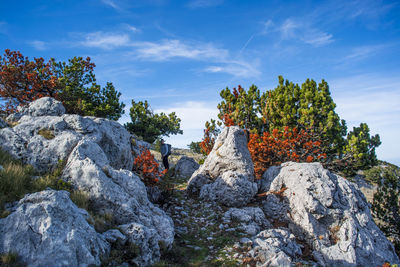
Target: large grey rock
{"type": "Point", "coordinates": [98, 154]}
{"type": "Point", "coordinates": [275, 248]}
{"type": "Point", "coordinates": [227, 175]}
{"type": "Point", "coordinates": [119, 192]}
{"type": "Point", "coordinates": [45, 106]}
{"type": "Point", "coordinates": [146, 239]}
{"type": "Point", "coordinates": [26, 141]}
{"type": "Point", "coordinates": [251, 219]}
{"type": "Point", "coordinates": [231, 189]}
{"type": "Point", "coordinates": [47, 229]}
{"type": "Point", "coordinates": [332, 216]}
{"type": "Point", "coordinates": [3, 124]}
{"type": "Point", "coordinates": [185, 167]}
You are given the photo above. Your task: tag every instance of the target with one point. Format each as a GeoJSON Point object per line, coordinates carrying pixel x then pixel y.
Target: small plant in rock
{"type": "Point", "coordinates": [46, 133]}
{"type": "Point", "coordinates": [148, 168]}
{"type": "Point", "coordinates": [9, 259]}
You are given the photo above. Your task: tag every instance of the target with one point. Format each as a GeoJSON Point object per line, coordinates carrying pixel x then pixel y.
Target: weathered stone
{"type": "Point", "coordinates": [47, 229]}
{"type": "Point", "coordinates": [252, 219]}
{"type": "Point", "coordinates": [275, 247]}
{"type": "Point", "coordinates": [14, 117]}
{"type": "Point", "coordinates": [115, 236]}
{"type": "Point", "coordinates": [332, 216]}
{"type": "Point", "coordinates": [185, 167]}
{"type": "Point", "coordinates": [227, 175]}
{"type": "Point", "coordinates": [146, 239]}
{"type": "Point", "coordinates": [119, 192]}
{"type": "Point", "coordinates": [3, 124]}
{"type": "Point", "coordinates": [27, 142]}
{"type": "Point", "coordinates": [231, 189]}
{"type": "Point", "coordinates": [45, 106]}
{"type": "Point", "coordinates": [269, 175]}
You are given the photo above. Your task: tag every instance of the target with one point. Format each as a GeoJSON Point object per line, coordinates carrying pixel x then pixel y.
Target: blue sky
{"type": "Point", "coordinates": [180, 54]}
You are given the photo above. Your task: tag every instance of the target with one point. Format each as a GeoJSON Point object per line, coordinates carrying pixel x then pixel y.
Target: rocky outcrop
{"type": "Point", "coordinates": [330, 214]}
{"type": "Point", "coordinates": [47, 229]}
{"type": "Point", "coordinates": [227, 175]}
{"type": "Point", "coordinates": [45, 106]}
{"type": "Point", "coordinates": [251, 219]}
{"type": "Point", "coordinates": [185, 167]}
{"type": "Point", "coordinates": [121, 193]}
{"type": "Point", "coordinates": [43, 141]}
{"type": "Point", "coordinates": [275, 248]}
{"type": "Point", "coordinates": [3, 124]}
{"type": "Point", "coordinates": [98, 155]}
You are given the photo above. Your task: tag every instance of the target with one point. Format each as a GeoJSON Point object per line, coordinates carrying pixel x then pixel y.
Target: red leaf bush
{"type": "Point", "coordinates": [148, 168]}
{"type": "Point", "coordinates": [281, 146]}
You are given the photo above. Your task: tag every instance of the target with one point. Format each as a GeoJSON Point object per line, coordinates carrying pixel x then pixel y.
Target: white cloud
{"type": "Point", "coordinates": [287, 29]}
{"type": "Point", "coordinates": [168, 49]}
{"type": "Point", "coordinates": [105, 40]}
{"type": "Point", "coordinates": [193, 115]}
{"type": "Point", "coordinates": [300, 30]}
{"type": "Point", "coordinates": [374, 100]}
{"type": "Point", "coordinates": [362, 52]}
{"type": "Point", "coordinates": [317, 38]}
{"type": "Point", "coordinates": [204, 3]}
{"type": "Point", "coordinates": [132, 28]}
{"type": "Point", "coordinates": [3, 27]}
{"type": "Point", "coordinates": [304, 32]}
{"type": "Point", "coordinates": [38, 45]}
{"type": "Point", "coordinates": [236, 68]}
{"type": "Point", "coordinates": [111, 3]}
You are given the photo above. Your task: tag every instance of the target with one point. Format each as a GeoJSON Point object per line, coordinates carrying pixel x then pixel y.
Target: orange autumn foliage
{"type": "Point", "coordinates": [22, 80]}
{"type": "Point", "coordinates": [148, 168]}
{"type": "Point", "coordinates": [281, 146]}
{"type": "Point", "coordinates": [207, 143]}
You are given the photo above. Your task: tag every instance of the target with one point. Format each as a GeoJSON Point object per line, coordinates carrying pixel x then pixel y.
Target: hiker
{"type": "Point", "coordinates": [165, 152]}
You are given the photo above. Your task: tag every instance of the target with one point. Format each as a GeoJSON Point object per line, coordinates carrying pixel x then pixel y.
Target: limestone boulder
{"type": "Point", "coordinates": [45, 106]}
{"type": "Point", "coordinates": [47, 229]}
{"type": "Point", "coordinates": [3, 124]}
{"type": "Point", "coordinates": [227, 175]}
{"type": "Point", "coordinates": [185, 167]}
{"type": "Point", "coordinates": [45, 140]}
{"type": "Point", "coordinates": [118, 192]}
{"type": "Point", "coordinates": [275, 248]}
{"type": "Point", "coordinates": [252, 220]}
{"type": "Point", "coordinates": [331, 215]}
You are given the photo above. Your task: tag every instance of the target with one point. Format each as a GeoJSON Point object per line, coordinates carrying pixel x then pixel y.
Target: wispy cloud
{"type": "Point", "coordinates": [204, 3]}
{"type": "Point", "coordinates": [111, 3]}
{"type": "Point", "coordinates": [3, 27]}
{"type": "Point", "coordinates": [38, 45]}
{"type": "Point", "coordinates": [302, 31]}
{"type": "Point", "coordinates": [236, 68]}
{"type": "Point", "coordinates": [167, 49]}
{"type": "Point", "coordinates": [105, 40]}
{"type": "Point", "coordinates": [362, 52]}
{"type": "Point", "coordinates": [132, 28]}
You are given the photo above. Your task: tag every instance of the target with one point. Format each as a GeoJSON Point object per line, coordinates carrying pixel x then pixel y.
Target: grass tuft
{"type": "Point", "coordinates": [46, 133]}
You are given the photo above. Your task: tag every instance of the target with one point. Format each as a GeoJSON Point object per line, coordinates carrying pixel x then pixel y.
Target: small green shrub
{"type": "Point", "coordinates": [9, 259]}
{"type": "Point", "coordinates": [46, 133]}
{"type": "Point", "coordinates": [120, 254]}
{"type": "Point", "coordinates": [81, 199]}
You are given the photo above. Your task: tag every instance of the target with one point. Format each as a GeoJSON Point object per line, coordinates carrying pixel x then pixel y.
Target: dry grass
{"type": "Point", "coordinates": [46, 133]}
{"type": "Point", "coordinates": [334, 230]}
{"type": "Point", "coordinates": [9, 259]}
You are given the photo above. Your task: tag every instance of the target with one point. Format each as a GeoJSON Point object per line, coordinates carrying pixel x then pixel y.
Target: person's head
{"type": "Point", "coordinates": [162, 141]}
